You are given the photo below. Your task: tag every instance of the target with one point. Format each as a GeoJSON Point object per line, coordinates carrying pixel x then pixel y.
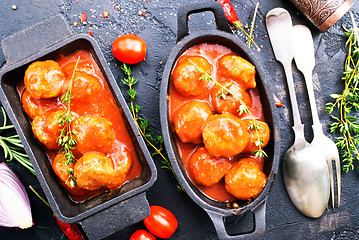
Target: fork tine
{"type": "Point", "coordinates": [338, 170]}
{"type": "Point", "coordinates": [330, 167]}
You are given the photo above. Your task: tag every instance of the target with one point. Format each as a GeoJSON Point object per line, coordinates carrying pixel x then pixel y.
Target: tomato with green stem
{"type": "Point", "coordinates": [161, 222]}
{"type": "Point", "coordinates": [129, 49]}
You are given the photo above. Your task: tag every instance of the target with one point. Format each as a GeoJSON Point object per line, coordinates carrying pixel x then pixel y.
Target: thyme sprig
{"type": "Point", "coordinates": [344, 103]}
{"type": "Point", "coordinates": [66, 139]}
{"type": "Point", "coordinates": [243, 108]}
{"type": "Point", "coordinates": [12, 146]}
{"type": "Point", "coordinates": [143, 125]}
{"type": "Point", "coordinates": [252, 26]}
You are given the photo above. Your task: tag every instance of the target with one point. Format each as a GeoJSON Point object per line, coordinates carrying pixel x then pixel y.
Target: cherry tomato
{"type": "Point", "coordinates": [142, 235]}
{"type": "Point", "coordinates": [129, 49]}
{"type": "Point", "coordinates": [161, 222]}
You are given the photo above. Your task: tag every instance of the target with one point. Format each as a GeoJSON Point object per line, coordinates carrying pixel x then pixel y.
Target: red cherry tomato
{"type": "Point", "coordinates": [129, 49]}
{"type": "Point", "coordinates": [142, 235]}
{"type": "Point", "coordinates": [161, 222]}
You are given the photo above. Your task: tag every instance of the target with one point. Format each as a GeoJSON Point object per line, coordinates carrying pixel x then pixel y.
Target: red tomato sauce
{"type": "Point", "coordinates": [105, 106]}
{"type": "Point", "coordinates": [211, 52]}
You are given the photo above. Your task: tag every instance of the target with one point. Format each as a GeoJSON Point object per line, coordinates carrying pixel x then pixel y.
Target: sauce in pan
{"type": "Point", "coordinates": [190, 104]}
{"type": "Point", "coordinates": [110, 157]}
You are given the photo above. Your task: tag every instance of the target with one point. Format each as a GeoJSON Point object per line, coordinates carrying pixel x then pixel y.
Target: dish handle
{"type": "Point", "coordinates": [259, 225]}
{"type": "Point", "coordinates": [186, 10]}
{"type": "Point", "coordinates": [116, 217]}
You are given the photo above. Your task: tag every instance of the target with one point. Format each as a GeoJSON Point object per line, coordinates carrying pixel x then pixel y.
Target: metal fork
{"type": "Point", "coordinates": [305, 61]}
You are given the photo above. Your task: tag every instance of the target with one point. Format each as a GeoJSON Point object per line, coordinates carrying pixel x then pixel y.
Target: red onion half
{"type": "Point", "coordinates": [15, 210]}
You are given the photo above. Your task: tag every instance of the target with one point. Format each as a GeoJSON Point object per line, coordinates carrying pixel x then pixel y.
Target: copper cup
{"type": "Point", "coordinates": [323, 13]}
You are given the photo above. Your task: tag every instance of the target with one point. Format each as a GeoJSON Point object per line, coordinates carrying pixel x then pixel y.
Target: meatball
{"type": "Point", "coordinates": [93, 133]}
{"type": "Point", "coordinates": [85, 87]}
{"type": "Point", "coordinates": [61, 170]}
{"type": "Point", "coordinates": [94, 171]}
{"type": "Point", "coordinates": [225, 135]}
{"type": "Point", "coordinates": [34, 107]}
{"type": "Point", "coordinates": [238, 69]}
{"type": "Point", "coordinates": [186, 76]}
{"type": "Point", "coordinates": [44, 79]}
{"type": "Point", "coordinates": [46, 128]}
{"type": "Point", "coordinates": [224, 102]}
{"type": "Point", "coordinates": [85, 67]}
{"type": "Point", "coordinates": [263, 133]}
{"type": "Point", "coordinates": [205, 169]}
{"type": "Point", "coordinates": [244, 180]}
{"type": "Point", "coordinates": [121, 157]}
{"type": "Point", "coordinates": [189, 119]}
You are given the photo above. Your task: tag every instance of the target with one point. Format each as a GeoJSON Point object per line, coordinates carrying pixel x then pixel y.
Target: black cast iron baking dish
{"type": "Point", "coordinates": [219, 210]}
{"type": "Point", "coordinates": [103, 214]}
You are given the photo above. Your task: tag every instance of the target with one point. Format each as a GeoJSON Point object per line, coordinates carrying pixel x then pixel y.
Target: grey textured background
{"type": "Point", "coordinates": [159, 29]}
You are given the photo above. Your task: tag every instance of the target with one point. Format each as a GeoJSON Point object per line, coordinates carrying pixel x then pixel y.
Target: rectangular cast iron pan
{"type": "Point", "coordinates": [102, 215]}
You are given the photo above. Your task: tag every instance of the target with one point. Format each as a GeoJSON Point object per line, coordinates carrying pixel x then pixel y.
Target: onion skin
{"type": "Point", "coordinates": [15, 210]}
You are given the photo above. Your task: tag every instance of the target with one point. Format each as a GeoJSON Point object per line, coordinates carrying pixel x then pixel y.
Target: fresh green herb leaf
{"type": "Point", "coordinates": [66, 139]}
{"type": "Point", "coordinates": [342, 109]}
{"type": "Point", "coordinates": [153, 141]}
{"type": "Point", "coordinates": [12, 146]}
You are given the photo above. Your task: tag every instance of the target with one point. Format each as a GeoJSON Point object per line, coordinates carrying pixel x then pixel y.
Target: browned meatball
{"type": "Point", "coordinates": [189, 119]}
{"type": "Point", "coordinates": [225, 135]}
{"type": "Point", "coordinates": [244, 180]}
{"type": "Point", "coordinates": [238, 69]}
{"type": "Point", "coordinates": [34, 107]}
{"type": "Point", "coordinates": [186, 77]}
{"type": "Point", "coordinates": [85, 87]}
{"type": "Point", "coordinates": [46, 128]}
{"type": "Point", "coordinates": [44, 79]}
{"type": "Point", "coordinates": [205, 169]}
{"type": "Point", "coordinates": [86, 67]}
{"type": "Point", "coordinates": [225, 102]}
{"type": "Point", "coordinates": [94, 171]}
{"type": "Point", "coordinates": [93, 133]}
{"type": "Point", "coordinates": [263, 134]}
{"type": "Point", "coordinates": [121, 157]}
{"type": "Point", "coordinates": [61, 170]}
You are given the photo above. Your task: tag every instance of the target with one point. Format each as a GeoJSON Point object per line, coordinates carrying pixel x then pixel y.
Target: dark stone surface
{"type": "Point", "coordinates": [158, 28]}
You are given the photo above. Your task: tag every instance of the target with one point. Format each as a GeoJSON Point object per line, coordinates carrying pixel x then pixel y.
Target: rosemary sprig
{"type": "Point", "coordinates": [143, 125]}
{"type": "Point", "coordinates": [66, 139]}
{"type": "Point", "coordinates": [13, 147]}
{"type": "Point", "coordinates": [345, 122]}
{"type": "Point", "coordinates": [243, 108]}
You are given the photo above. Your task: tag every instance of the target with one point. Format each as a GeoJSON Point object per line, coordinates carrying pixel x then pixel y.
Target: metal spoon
{"type": "Point", "coordinates": [305, 170]}
{"type": "Point", "coordinates": [305, 61]}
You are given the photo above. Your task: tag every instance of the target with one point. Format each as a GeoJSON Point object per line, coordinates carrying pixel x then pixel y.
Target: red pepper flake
{"type": "Point", "coordinates": [278, 102]}
{"type": "Point", "coordinates": [83, 18]}
{"type": "Point", "coordinates": [143, 14]}
{"type": "Point", "coordinates": [77, 1]}
{"type": "Point", "coordinates": [90, 32]}
{"type": "Point", "coordinates": [105, 14]}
